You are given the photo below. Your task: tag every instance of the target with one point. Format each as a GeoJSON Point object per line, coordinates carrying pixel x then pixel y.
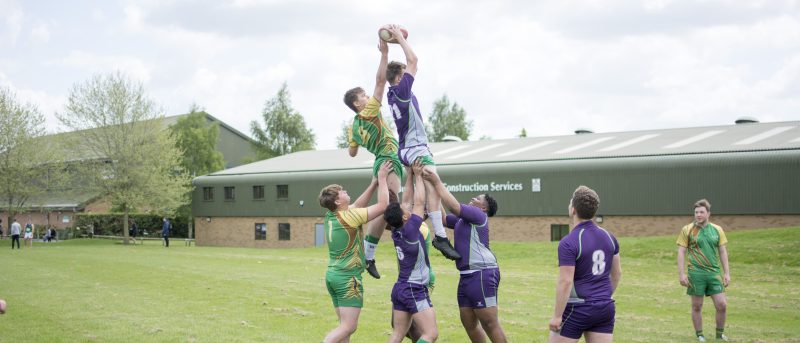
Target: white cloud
{"type": "Point", "coordinates": [41, 33]}
{"type": "Point", "coordinates": [94, 63]}
{"type": "Point", "coordinates": [14, 20]}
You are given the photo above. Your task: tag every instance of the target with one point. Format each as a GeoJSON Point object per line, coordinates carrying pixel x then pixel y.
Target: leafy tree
{"type": "Point", "coordinates": [284, 129]}
{"type": "Point", "coordinates": [30, 162]}
{"type": "Point", "coordinates": [342, 139]}
{"type": "Point", "coordinates": [132, 157]}
{"type": "Point", "coordinates": [523, 133]}
{"type": "Point", "coordinates": [197, 140]}
{"type": "Point", "coordinates": [448, 120]}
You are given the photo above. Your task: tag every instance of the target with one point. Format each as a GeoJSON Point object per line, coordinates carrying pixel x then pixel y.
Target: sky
{"type": "Point", "coordinates": [549, 67]}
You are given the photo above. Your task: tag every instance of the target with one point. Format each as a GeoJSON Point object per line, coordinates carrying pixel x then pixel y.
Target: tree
{"type": "Point", "coordinates": [523, 133]}
{"type": "Point", "coordinates": [447, 120]}
{"type": "Point", "coordinates": [131, 156]}
{"type": "Point", "coordinates": [197, 140]}
{"type": "Point", "coordinates": [284, 129]}
{"type": "Point", "coordinates": [30, 162]}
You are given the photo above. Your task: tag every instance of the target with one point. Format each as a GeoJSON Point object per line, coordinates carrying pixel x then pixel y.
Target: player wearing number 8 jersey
{"type": "Point", "coordinates": [589, 272]}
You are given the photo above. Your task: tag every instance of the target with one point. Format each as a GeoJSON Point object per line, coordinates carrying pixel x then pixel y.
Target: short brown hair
{"type": "Point", "coordinates": [703, 203]}
{"type": "Point", "coordinates": [585, 201]}
{"type": "Point", "coordinates": [393, 70]}
{"type": "Point", "coordinates": [328, 196]}
{"type": "Point", "coordinates": [351, 96]}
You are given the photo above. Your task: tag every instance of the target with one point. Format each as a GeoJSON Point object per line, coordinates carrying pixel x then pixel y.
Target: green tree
{"type": "Point", "coordinates": [197, 139]}
{"type": "Point", "coordinates": [30, 162]}
{"type": "Point", "coordinates": [447, 120]}
{"type": "Point", "coordinates": [132, 158]}
{"type": "Point", "coordinates": [523, 133]}
{"type": "Point", "coordinates": [342, 139]}
{"type": "Point", "coordinates": [284, 129]}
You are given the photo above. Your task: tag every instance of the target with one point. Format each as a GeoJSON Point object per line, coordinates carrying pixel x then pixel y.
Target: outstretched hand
{"type": "Point", "coordinates": [383, 47]}
{"type": "Point", "coordinates": [384, 171]}
{"type": "Point", "coordinates": [418, 167]}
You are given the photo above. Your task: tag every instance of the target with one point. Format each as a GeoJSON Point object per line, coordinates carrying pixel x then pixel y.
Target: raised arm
{"type": "Point", "coordinates": [380, 78]}
{"type": "Point", "coordinates": [419, 190]}
{"type": "Point", "coordinates": [363, 200]}
{"type": "Point", "coordinates": [408, 189]}
{"type": "Point", "coordinates": [411, 57]}
{"type": "Point", "coordinates": [448, 200]}
{"type": "Point", "coordinates": [377, 210]}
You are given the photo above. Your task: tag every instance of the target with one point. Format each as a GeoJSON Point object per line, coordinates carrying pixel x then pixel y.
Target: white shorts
{"type": "Point", "coordinates": [28, 235]}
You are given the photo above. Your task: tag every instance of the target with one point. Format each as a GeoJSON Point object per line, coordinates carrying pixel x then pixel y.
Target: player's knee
{"type": "Point", "coordinates": [721, 306]}
{"type": "Point", "coordinates": [697, 307]}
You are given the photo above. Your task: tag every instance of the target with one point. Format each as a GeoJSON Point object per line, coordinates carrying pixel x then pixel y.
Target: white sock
{"type": "Point", "coordinates": [436, 220]}
{"type": "Point", "coordinates": [369, 250]}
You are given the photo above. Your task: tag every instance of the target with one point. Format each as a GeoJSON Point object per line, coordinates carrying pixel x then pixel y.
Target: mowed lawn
{"type": "Point", "coordinates": [102, 291]}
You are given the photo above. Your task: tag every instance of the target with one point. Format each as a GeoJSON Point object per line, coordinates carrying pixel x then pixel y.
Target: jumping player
{"type": "Point", "coordinates": [412, 136]}
{"type": "Point", "coordinates": [369, 130]}
{"type": "Point", "coordinates": [480, 274]}
{"type": "Point", "coordinates": [589, 272]}
{"type": "Point", "coordinates": [343, 226]}
{"type": "Point", "coordinates": [410, 297]}
{"type": "Point", "coordinates": [704, 241]}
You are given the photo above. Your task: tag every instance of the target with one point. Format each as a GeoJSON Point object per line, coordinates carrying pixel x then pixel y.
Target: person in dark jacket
{"type": "Point", "coordinates": [165, 227]}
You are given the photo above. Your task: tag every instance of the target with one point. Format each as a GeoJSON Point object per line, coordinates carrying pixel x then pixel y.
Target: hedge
{"type": "Point", "coordinates": [111, 224]}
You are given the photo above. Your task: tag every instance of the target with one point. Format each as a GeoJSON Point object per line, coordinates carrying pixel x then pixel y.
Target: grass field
{"type": "Point", "coordinates": [102, 291]}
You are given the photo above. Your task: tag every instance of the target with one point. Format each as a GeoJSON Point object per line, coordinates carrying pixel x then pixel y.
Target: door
{"type": "Point", "coordinates": [319, 230]}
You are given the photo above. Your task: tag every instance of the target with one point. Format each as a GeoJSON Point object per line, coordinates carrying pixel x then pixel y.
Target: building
{"type": "Point", "coordinates": [58, 208]}
{"type": "Point", "coordinates": [647, 182]}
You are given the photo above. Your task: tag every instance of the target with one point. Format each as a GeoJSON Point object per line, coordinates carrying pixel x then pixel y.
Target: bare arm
{"type": "Point", "coordinates": [377, 210]}
{"type": "Point", "coordinates": [380, 78]}
{"type": "Point", "coordinates": [353, 151]}
{"type": "Point", "coordinates": [419, 190]}
{"type": "Point", "coordinates": [565, 277]}
{"type": "Point", "coordinates": [448, 200]}
{"type": "Point", "coordinates": [411, 57]}
{"type": "Point", "coordinates": [366, 195]}
{"type": "Point", "coordinates": [408, 189]}
{"type": "Point", "coordinates": [616, 273]}
{"type": "Point", "coordinates": [723, 258]}
{"type": "Point", "coordinates": [682, 267]}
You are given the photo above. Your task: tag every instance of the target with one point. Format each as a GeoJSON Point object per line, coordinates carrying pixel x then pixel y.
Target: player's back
{"type": "Point", "coordinates": [407, 116]}
{"type": "Point", "coordinates": [594, 248]}
{"type": "Point", "coordinates": [412, 256]}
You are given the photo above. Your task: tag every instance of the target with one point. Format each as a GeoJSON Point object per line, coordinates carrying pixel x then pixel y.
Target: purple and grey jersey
{"type": "Point", "coordinates": [406, 114]}
{"type": "Point", "coordinates": [471, 239]}
{"type": "Point", "coordinates": [590, 249]}
{"type": "Point", "coordinates": [412, 257]}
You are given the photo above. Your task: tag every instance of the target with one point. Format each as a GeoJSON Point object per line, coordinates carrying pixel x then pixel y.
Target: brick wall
{"type": "Point", "coordinates": [240, 231]}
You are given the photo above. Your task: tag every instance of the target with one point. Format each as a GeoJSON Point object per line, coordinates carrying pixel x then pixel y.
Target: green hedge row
{"type": "Point", "coordinates": [111, 224]}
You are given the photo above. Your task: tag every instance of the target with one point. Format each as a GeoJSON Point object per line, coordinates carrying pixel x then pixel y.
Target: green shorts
{"type": "Point", "coordinates": [704, 284]}
{"type": "Point", "coordinates": [345, 290]}
{"type": "Point", "coordinates": [397, 167]}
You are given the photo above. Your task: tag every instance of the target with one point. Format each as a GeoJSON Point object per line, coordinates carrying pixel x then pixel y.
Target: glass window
{"type": "Point", "coordinates": [284, 232]}
{"type": "Point", "coordinates": [261, 231]}
{"type": "Point", "coordinates": [230, 193]}
{"type": "Point", "coordinates": [208, 193]}
{"type": "Point", "coordinates": [558, 231]}
{"type": "Point", "coordinates": [283, 192]}
{"type": "Point", "coordinates": [258, 192]}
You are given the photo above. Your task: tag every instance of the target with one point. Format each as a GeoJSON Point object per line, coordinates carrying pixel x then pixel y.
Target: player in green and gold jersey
{"type": "Point", "coordinates": [705, 244]}
{"type": "Point", "coordinates": [370, 131]}
{"type": "Point", "coordinates": [343, 233]}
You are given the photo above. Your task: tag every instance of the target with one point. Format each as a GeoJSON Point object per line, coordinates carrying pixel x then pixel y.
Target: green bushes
{"type": "Point", "coordinates": [111, 224]}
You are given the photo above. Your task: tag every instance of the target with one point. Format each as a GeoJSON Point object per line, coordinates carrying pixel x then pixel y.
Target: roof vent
{"type": "Point", "coordinates": [583, 131]}
{"type": "Point", "coordinates": [746, 120]}
{"type": "Point", "coordinates": [451, 139]}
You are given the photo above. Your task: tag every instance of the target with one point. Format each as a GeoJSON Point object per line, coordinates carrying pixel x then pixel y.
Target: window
{"type": "Point", "coordinates": [208, 193]}
{"type": "Point", "coordinates": [283, 192]}
{"type": "Point", "coordinates": [558, 231]}
{"type": "Point", "coordinates": [284, 232]}
{"type": "Point", "coordinates": [258, 192]}
{"type": "Point", "coordinates": [230, 193]}
{"type": "Point", "coordinates": [261, 231]}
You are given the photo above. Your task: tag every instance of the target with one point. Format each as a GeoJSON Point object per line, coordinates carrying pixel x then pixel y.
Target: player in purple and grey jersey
{"type": "Point", "coordinates": [589, 272]}
{"type": "Point", "coordinates": [410, 297]}
{"type": "Point", "coordinates": [480, 274]}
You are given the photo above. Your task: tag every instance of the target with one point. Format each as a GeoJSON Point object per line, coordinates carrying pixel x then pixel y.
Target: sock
{"type": "Point", "coordinates": [699, 333]}
{"type": "Point", "coordinates": [436, 220]}
{"type": "Point", "coordinates": [370, 244]}
{"type": "Point", "coordinates": [720, 332]}
{"type": "Point", "coordinates": [422, 341]}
